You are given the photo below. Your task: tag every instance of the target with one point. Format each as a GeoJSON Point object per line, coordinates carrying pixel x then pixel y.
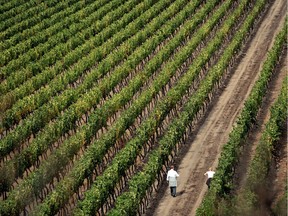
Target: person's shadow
{"type": "Point", "coordinates": [179, 193]}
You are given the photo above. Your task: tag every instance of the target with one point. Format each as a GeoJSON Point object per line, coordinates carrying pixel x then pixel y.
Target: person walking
{"type": "Point", "coordinates": [209, 175]}
{"type": "Point", "coordinates": [172, 179]}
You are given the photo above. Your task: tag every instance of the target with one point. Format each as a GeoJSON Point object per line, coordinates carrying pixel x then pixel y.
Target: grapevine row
{"type": "Point", "coordinates": [144, 180]}
{"type": "Point", "coordinates": [28, 154]}
{"type": "Point", "coordinates": [36, 121]}
{"type": "Point", "coordinates": [14, 32]}
{"type": "Point", "coordinates": [119, 127]}
{"type": "Point", "coordinates": [25, 11]}
{"type": "Point", "coordinates": [60, 78]}
{"type": "Point", "coordinates": [17, 71]}
{"type": "Point", "coordinates": [13, 8]}
{"type": "Point", "coordinates": [72, 35]}
{"type": "Point", "coordinates": [223, 179]}
{"type": "Point", "coordinates": [263, 158]}
{"type": "Point", "coordinates": [97, 193]}
{"type": "Point", "coordinates": [60, 81]}
{"type": "Point", "coordinates": [118, 131]}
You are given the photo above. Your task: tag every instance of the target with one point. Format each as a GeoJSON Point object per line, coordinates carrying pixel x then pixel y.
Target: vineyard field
{"type": "Point", "coordinates": [99, 98]}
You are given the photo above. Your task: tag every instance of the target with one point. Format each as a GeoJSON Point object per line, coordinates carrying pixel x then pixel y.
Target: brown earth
{"type": "Point", "coordinates": [204, 146]}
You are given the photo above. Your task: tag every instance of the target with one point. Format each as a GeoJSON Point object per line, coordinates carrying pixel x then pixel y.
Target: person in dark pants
{"type": "Point", "coordinates": [172, 179]}
{"type": "Point", "coordinates": [209, 175]}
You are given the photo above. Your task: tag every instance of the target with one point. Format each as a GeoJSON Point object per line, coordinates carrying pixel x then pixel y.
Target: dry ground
{"type": "Point", "coordinates": [204, 147]}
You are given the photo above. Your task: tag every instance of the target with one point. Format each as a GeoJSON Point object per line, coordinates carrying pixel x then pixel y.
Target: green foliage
{"type": "Point", "coordinates": [259, 167]}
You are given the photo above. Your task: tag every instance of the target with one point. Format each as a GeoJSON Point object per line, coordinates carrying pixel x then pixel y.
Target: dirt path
{"type": "Point", "coordinates": [205, 146]}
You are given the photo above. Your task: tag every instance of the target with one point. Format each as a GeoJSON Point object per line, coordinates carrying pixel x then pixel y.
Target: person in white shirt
{"type": "Point", "coordinates": [209, 175]}
{"type": "Point", "coordinates": [172, 179]}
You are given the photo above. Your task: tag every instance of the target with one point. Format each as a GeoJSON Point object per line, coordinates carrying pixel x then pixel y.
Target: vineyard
{"type": "Point", "coordinates": [98, 98]}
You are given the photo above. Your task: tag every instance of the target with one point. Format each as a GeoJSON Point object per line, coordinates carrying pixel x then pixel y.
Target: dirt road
{"type": "Point", "coordinates": [205, 145]}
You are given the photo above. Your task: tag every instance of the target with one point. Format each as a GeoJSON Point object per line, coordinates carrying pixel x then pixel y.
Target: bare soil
{"type": "Point", "coordinates": [204, 146]}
